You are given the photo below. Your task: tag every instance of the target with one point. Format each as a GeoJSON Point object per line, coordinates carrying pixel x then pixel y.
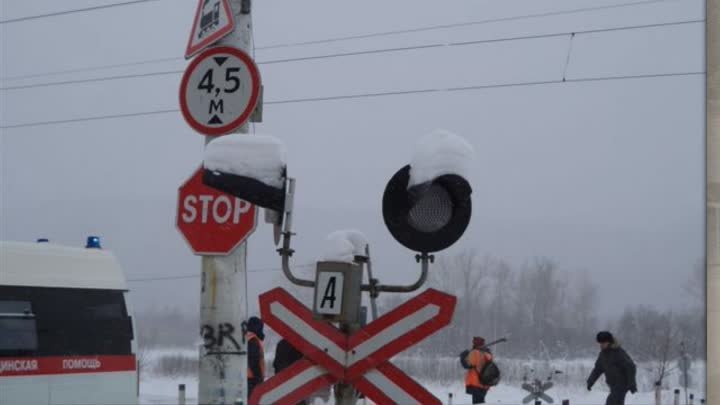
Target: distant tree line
{"type": "Point", "coordinates": [548, 312]}
{"type": "Point", "coordinates": [545, 311]}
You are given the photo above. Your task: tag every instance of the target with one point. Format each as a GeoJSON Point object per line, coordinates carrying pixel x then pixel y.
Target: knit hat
{"type": "Point", "coordinates": [605, 337]}
{"type": "Point", "coordinates": [478, 341]}
{"type": "Point", "coordinates": [255, 325]}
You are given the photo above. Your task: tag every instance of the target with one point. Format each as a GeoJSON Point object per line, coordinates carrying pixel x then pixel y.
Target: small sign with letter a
{"type": "Point", "coordinates": [337, 291]}
{"type": "Point", "coordinates": [329, 293]}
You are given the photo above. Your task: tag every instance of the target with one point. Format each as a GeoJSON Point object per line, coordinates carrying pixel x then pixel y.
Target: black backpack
{"type": "Point", "coordinates": [490, 374]}
{"type": "Point", "coordinates": [463, 359]}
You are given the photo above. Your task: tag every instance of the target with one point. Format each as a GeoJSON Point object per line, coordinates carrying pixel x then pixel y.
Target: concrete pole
{"type": "Point", "coordinates": [712, 60]}
{"type": "Point", "coordinates": [223, 295]}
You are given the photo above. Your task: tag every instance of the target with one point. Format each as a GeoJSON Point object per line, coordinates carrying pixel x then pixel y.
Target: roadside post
{"type": "Point", "coordinates": [219, 93]}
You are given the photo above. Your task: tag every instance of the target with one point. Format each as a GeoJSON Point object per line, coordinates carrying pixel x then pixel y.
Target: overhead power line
{"type": "Point", "coordinates": [367, 52]}
{"type": "Point", "coordinates": [191, 276]}
{"type": "Point", "coordinates": [96, 118]}
{"type": "Point", "coordinates": [379, 94]}
{"type": "Point", "coordinates": [75, 11]}
{"type": "Point", "coordinates": [91, 69]}
{"type": "Point", "coordinates": [351, 37]}
{"type": "Point", "coordinates": [463, 24]}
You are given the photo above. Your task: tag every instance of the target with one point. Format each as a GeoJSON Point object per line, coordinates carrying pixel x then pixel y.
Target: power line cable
{"type": "Point", "coordinates": [91, 69]}
{"type": "Point", "coordinates": [481, 87]}
{"type": "Point", "coordinates": [369, 35]}
{"type": "Point", "coordinates": [191, 276]}
{"type": "Point", "coordinates": [96, 118]}
{"type": "Point", "coordinates": [464, 24]}
{"type": "Point", "coordinates": [98, 79]}
{"type": "Point", "coordinates": [378, 94]}
{"type": "Point", "coordinates": [369, 52]}
{"type": "Point", "coordinates": [74, 11]}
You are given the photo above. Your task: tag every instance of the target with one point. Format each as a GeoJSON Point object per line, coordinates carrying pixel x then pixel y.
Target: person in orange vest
{"type": "Point", "coordinates": [256, 353]}
{"type": "Point", "coordinates": [477, 358]}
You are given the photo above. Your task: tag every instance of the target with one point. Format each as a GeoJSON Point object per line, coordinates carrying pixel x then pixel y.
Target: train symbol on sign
{"type": "Point", "coordinates": [213, 21]}
{"type": "Point", "coordinates": [210, 19]}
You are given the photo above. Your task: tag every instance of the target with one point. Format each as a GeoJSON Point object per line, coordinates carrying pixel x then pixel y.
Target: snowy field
{"type": "Point", "coordinates": [164, 390]}
{"type": "Point", "coordinates": [156, 388]}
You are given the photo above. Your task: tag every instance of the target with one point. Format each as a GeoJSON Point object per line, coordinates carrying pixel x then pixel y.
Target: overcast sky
{"type": "Point", "coordinates": [602, 176]}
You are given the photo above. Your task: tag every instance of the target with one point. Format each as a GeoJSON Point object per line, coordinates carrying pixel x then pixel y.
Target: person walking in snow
{"type": "Point", "coordinates": [285, 355]}
{"type": "Point", "coordinates": [618, 367]}
{"type": "Point", "coordinates": [477, 358]}
{"type": "Point", "coordinates": [256, 353]}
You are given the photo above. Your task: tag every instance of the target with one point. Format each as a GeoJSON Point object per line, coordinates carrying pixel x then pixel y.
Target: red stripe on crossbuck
{"type": "Point", "coordinates": [309, 349]}
{"type": "Point", "coordinates": [261, 394]}
{"type": "Point", "coordinates": [402, 381]}
{"type": "Point", "coordinates": [372, 374]}
{"type": "Point", "coordinates": [446, 304]}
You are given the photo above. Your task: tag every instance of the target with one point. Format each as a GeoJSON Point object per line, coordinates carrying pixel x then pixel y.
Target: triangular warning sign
{"type": "Point", "coordinates": [215, 120]}
{"type": "Point", "coordinates": [213, 21]}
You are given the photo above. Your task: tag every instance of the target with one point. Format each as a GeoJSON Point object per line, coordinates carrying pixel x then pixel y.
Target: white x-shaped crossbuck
{"type": "Point", "coordinates": [360, 359]}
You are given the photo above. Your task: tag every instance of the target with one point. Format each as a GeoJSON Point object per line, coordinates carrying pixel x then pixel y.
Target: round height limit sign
{"type": "Point", "coordinates": [219, 90]}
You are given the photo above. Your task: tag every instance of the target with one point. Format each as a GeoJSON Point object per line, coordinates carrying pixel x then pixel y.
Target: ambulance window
{"type": "Point", "coordinates": [18, 333]}
{"type": "Point", "coordinates": [88, 322]}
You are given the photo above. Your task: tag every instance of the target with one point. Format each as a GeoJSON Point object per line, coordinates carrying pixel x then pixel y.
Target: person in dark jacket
{"type": "Point", "coordinates": [256, 353]}
{"type": "Point", "coordinates": [618, 367]}
{"type": "Point", "coordinates": [285, 355]}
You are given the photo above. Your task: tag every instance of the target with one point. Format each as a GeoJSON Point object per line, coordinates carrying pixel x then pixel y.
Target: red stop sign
{"type": "Point", "coordinates": [212, 222]}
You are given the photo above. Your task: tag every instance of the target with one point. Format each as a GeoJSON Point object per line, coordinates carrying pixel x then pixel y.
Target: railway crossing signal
{"type": "Point", "coordinates": [360, 358]}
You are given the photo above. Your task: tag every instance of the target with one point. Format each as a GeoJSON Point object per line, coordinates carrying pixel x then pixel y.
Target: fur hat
{"type": "Point", "coordinates": [605, 337]}
{"type": "Point", "coordinates": [477, 341]}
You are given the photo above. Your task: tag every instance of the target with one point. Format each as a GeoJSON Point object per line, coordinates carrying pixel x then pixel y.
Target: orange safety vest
{"type": "Point", "coordinates": [477, 360]}
{"type": "Point", "coordinates": [250, 336]}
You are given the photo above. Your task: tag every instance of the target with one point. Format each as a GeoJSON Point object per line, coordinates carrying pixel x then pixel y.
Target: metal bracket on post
{"type": "Point", "coordinates": [423, 258]}
{"type": "Point", "coordinates": [286, 251]}
{"type": "Point", "coordinates": [373, 282]}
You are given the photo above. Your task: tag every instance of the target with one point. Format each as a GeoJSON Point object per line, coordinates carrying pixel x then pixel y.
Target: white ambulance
{"type": "Point", "coordinates": [66, 331]}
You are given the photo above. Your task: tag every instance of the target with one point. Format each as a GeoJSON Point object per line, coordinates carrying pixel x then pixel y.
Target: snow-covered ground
{"type": "Point", "coordinates": [156, 388]}
{"type": "Point", "coordinates": [164, 390]}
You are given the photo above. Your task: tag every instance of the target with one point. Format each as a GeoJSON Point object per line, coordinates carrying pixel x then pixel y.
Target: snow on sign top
{"type": "Point", "coordinates": [343, 246]}
{"type": "Point", "coordinates": [213, 21]}
{"type": "Point", "coordinates": [438, 153]}
{"type": "Point", "coordinates": [260, 157]}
